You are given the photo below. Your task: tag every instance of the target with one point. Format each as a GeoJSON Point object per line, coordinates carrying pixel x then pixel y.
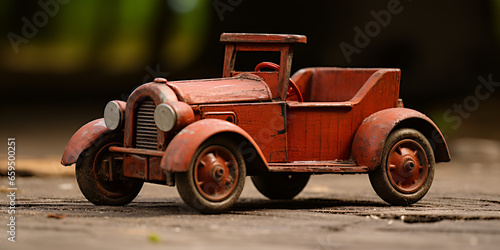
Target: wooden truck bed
{"type": "Point", "coordinates": [336, 101]}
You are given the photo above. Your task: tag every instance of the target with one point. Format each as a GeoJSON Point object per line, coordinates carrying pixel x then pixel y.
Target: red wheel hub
{"type": "Point", "coordinates": [407, 166]}
{"type": "Point", "coordinates": [102, 172]}
{"type": "Point", "coordinates": [216, 173]}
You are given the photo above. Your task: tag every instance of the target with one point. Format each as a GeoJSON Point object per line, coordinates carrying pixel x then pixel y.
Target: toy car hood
{"type": "Point", "coordinates": [241, 88]}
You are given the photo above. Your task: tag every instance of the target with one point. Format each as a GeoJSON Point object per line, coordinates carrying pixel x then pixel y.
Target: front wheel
{"type": "Point", "coordinates": [407, 169]}
{"type": "Point", "coordinates": [215, 178]}
{"type": "Point", "coordinates": [99, 182]}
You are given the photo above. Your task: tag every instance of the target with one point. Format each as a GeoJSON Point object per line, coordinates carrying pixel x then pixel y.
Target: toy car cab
{"type": "Point", "coordinates": [206, 136]}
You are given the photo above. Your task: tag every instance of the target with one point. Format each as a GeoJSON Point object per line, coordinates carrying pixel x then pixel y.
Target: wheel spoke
{"type": "Point", "coordinates": [203, 175]}
{"type": "Point", "coordinates": [215, 173]}
{"type": "Point", "coordinates": [392, 167]}
{"type": "Point", "coordinates": [416, 177]}
{"type": "Point", "coordinates": [407, 165]}
{"type": "Point", "coordinates": [406, 151]}
{"type": "Point", "coordinates": [396, 158]}
{"type": "Point", "coordinates": [420, 167]}
{"type": "Point", "coordinates": [207, 159]}
{"type": "Point", "coordinates": [202, 163]}
{"type": "Point", "coordinates": [229, 179]}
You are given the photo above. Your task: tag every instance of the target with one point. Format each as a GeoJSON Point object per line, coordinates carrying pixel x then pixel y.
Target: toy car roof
{"type": "Point", "coordinates": [261, 38]}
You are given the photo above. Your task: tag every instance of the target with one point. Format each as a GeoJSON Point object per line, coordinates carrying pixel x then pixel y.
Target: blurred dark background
{"type": "Point", "coordinates": [62, 61]}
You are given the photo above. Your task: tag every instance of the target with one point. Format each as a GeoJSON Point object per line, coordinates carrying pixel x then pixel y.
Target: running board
{"type": "Point", "coordinates": [318, 167]}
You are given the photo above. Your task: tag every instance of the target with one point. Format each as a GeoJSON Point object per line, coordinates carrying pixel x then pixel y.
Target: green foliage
{"type": "Point", "coordinates": [117, 36]}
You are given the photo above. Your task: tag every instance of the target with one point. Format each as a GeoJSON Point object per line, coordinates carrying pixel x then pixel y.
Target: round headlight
{"type": "Point", "coordinates": [113, 115]}
{"type": "Point", "coordinates": [165, 117]}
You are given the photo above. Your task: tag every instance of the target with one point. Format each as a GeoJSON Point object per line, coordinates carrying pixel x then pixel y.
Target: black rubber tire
{"type": "Point", "coordinates": [280, 186]}
{"type": "Point", "coordinates": [185, 181]}
{"type": "Point", "coordinates": [94, 188]}
{"type": "Point", "coordinates": [380, 179]}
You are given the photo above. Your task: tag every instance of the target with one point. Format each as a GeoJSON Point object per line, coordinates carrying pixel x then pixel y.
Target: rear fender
{"type": "Point", "coordinates": [181, 150]}
{"type": "Point", "coordinates": [82, 139]}
{"type": "Point", "coordinates": [369, 141]}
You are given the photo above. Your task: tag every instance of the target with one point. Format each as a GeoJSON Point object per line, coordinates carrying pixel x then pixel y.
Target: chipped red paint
{"type": "Point", "coordinates": [181, 149]}
{"type": "Point", "coordinates": [137, 151]}
{"type": "Point", "coordinates": [264, 122]}
{"type": "Point", "coordinates": [185, 114]}
{"type": "Point", "coordinates": [323, 126]}
{"type": "Point", "coordinates": [82, 139]}
{"type": "Point", "coordinates": [135, 166]}
{"type": "Point", "coordinates": [369, 140]}
{"type": "Point", "coordinates": [159, 93]}
{"type": "Point", "coordinates": [160, 80]}
{"type": "Point", "coordinates": [280, 130]}
{"type": "Point", "coordinates": [333, 120]}
{"type": "Point", "coordinates": [242, 88]}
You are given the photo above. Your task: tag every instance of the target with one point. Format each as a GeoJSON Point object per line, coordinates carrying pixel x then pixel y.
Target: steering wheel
{"type": "Point", "coordinates": [293, 90]}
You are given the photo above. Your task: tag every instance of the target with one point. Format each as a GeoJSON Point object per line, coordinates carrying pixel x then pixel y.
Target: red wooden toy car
{"type": "Point", "coordinates": [206, 136]}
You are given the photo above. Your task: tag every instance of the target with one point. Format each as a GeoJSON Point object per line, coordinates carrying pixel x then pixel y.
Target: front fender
{"type": "Point", "coordinates": [82, 139]}
{"type": "Point", "coordinates": [369, 141]}
{"type": "Point", "coordinates": [182, 148]}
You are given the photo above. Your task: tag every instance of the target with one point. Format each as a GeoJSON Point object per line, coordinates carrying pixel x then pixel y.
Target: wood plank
{"type": "Point", "coordinates": [261, 38]}
{"type": "Point", "coordinates": [312, 124]}
{"type": "Point", "coordinates": [265, 122]}
{"type": "Point", "coordinates": [319, 167]}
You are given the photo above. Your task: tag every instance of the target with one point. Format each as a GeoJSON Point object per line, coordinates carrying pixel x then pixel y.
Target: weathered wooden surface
{"type": "Point", "coordinates": [323, 126]}
{"type": "Point", "coordinates": [242, 88]}
{"type": "Point", "coordinates": [262, 38]}
{"type": "Point", "coordinates": [461, 211]}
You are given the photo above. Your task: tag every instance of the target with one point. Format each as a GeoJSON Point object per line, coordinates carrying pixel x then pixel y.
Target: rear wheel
{"type": "Point", "coordinates": [97, 183]}
{"type": "Point", "coordinates": [215, 177]}
{"type": "Point", "coordinates": [280, 186]}
{"type": "Point", "coordinates": [407, 169]}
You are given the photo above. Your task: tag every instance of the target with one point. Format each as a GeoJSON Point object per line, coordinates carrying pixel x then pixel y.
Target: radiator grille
{"type": "Point", "coordinates": [146, 133]}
